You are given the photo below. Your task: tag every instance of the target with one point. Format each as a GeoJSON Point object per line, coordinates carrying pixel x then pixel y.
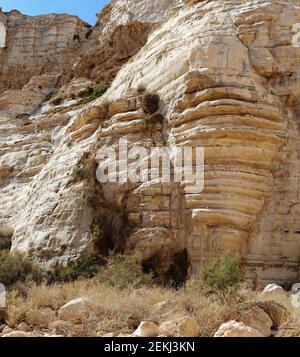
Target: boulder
{"type": "Point", "coordinates": [76, 310]}
{"type": "Point", "coordinates": [182, 327]}
{"type": "Point", "coordinates": [147, 329]}
{"type": "Point", "coordinates": [272, 290]}
{"type": "Point", "coordinates": [237, 329]}
{"type": "Point", "coordinates": [278, 313]}
{"type": "Point", "coordinates": [258, 319]}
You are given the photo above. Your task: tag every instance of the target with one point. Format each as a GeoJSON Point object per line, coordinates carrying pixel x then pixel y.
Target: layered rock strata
{"type": "Point", "coordinates": [227, 74]}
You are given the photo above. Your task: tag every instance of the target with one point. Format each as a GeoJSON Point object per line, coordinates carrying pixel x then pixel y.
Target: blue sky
{"type": "Point", "coordinates": [85, 9]}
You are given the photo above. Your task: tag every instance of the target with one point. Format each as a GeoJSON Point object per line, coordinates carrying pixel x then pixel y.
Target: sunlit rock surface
{"type": "Point", "coordinates": [228, 78]}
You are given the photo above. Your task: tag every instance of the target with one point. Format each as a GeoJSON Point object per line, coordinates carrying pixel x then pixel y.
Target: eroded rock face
{"type": "Point", "coordinates": [122, 12]}
{"type": "Point", "coordinates": [37, 45]}
{"type": "Point", "coordinates": [228, 80]}
{"type": "Point", "coordinates": [230, 94]}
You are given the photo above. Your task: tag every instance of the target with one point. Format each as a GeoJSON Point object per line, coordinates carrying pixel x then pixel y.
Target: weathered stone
{"type": "Point", "coordinates": [38, 44]}
{"type": "Point", "coordinates": [237, 329]}
{"type": "Point", "coordinates": [182, 327]}
{"type": "Point", "coordinates": [147, 329]}
{"type": "Point", "coordinates": [272, 290]}
{"type": "Point", "coordinates": [258, 319]}
{"type": "Point", "coordinates": [278, 313]}
{"type": "Point", "coordinates": [75, 310]}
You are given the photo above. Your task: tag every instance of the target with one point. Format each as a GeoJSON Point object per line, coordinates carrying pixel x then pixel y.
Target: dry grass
{"type": "Point", "coordinates": [121, 310]}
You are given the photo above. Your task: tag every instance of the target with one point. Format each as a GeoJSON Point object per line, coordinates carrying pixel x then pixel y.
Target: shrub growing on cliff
{"type": "Point", "coordinates": [81, 173]}
{"type": "Point", "coordinates": [84, 267]}
{"type": "Point", "coordinates": [124, 271]}
{"type": "Point", "coordinates": [95, 92]}
{"type": "Point", "coordinates": [150, 103]}
{"type": "Point", "coordinates": [15, 268]}
{"type": "Point", "coordinates": [220, 275]}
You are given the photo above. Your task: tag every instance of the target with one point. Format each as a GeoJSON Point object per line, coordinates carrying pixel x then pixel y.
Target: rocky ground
{"type": "Point", "coordinates": [88, 308]}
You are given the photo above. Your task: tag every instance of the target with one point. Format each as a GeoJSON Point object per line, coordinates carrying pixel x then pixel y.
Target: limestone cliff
{"type": "Point", "coordinates": [37, 45]}
{"type": "Point", "coordinates": [227, 75]}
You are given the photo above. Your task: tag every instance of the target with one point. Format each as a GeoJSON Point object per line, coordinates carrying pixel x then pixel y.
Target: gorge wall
{"type": "Point", "coordinates": [227, 75]}
{"type": "Point", "coordinates": [37, 45]}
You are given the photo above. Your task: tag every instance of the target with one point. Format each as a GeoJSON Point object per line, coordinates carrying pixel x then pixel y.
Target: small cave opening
{"type": "Point", "coordinates": [177, 273]}
{"type": "Point", "coordinates": [76, 38]}
{"type": "Point", "coordinates": [110, 229]}
{"type": "Point", "coordinates": [89, 33]}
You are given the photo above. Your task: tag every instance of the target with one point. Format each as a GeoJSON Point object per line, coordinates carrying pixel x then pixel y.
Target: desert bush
{"type": "Point", "coordinates": [121, 309]}
{"type": "Point", "coordinates": [95, 92]}
{"type": "Point", "coordinates": [123, 271]}
{"type": "Point", "coordinates": [110, 228]}
{"type": "Point", "coordinates": [141, 89]}
{"type": "Point", "coordinates": [15, 268]}
{"type": "Point", "coordinates": [56, 101]}
{"type": "Point", "coordinates": [85, 267]}
{"type": "Point", "coordinates": [220, 275]}
{"type": "Point", "coordinates": [81, 173]}
{"type": "Point", "coordinates": [150, 103]}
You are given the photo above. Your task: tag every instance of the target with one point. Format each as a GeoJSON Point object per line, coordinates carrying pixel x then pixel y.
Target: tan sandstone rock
{"type": "Point", "coordinates": [147, 329]}
{"type": "Point", "coordinates": [272, 290]}
{"type": "Point", "coordinates": [237, 329]}
{"type": "Point", "coordinates": [75, 310]}
{"type": "Point", "coordinates": [278, 313]}
{"type": "Point", "coordinates": [258, 319]}
{"type": "Point", "coordinates": [182, 327]}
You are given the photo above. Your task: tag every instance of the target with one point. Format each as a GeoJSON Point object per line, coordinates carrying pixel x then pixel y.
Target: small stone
{"type": "Point", "coordinates": [272, 290]}
{"type": "Point", "coordinates": [183, 327]}
{"type": "Point", "coordinates": [147, 329]}
{"type": "Point", "coordinates": [75, 310]}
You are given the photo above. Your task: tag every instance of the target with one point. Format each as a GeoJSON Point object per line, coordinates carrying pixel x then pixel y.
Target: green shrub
{"type": "Point", "coordinates": [141, 89]}
{"type": "Point", "coordinates": [84, 267]}
{"type": "Point", "coordinates": [15, 268]}
{"type": "Point", "coordinates": [220, 275]}
{"type": "Point", "coordinates": [150, 103]}
{"type": "Point", "coordinates": [95, 92]}
{"type": "Point", "coordinates": [56, 101]}
{"type": "Point", "coordinates": [81, 173]}
{"type": "Point", "coordinates": [123, 271]}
